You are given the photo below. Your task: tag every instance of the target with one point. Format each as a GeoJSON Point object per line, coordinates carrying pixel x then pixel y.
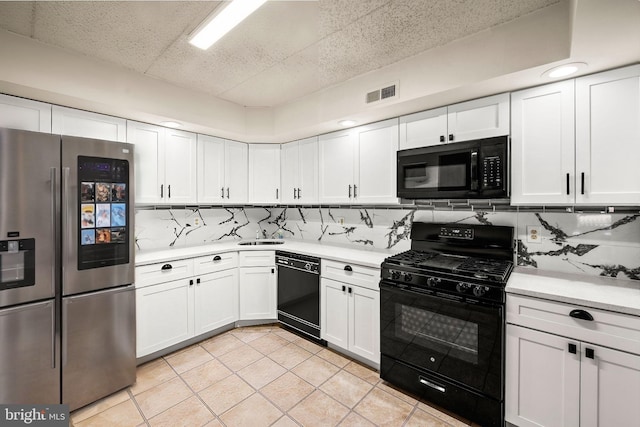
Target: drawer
{"type": "Point", "coordinates": [609, 329]}
{"type": "Point", "coordinates": [215, 262]}
{"type": "Point", "coordinates": [351, 273]}
{"type": "Point", "coordinates": [153, 274]}
{"type": "Point", "coordinates": [257, 258]}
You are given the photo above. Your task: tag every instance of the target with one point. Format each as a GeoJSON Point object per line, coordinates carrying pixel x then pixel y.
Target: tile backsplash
{"type": "Point", "coordinates": [585, 243]}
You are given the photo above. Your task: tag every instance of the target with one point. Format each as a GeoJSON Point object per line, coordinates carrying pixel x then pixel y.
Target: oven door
{"type": "Point", "coordinates": [438, 172]}
{"type": "Point", "coordinates": [460, 341]}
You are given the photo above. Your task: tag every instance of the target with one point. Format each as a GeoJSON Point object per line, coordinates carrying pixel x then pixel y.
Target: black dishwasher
{"type": "Point", "coordinates": [299, 292]}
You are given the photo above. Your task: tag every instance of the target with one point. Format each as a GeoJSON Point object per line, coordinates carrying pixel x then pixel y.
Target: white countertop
{"type": "Point", "coordinates": [358, 255]}
{"type": "Point", "coordinates": [605, 293]}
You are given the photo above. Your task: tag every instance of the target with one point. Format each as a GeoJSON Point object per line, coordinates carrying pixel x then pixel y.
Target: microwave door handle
{"type": "Point", "coordinates": [474, 170]}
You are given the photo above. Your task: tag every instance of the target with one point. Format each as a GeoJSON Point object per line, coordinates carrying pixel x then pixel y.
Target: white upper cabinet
{"type": "Point", "coordinates": [480, 118]}
{"type": "Point", "coordinates": [222, 170]}
{"type": "Point", "coordinates": [542, 145]}
{"type": "Point", "coordinates": [608, 137]}
{"type": "Point", "coordinates": [24, 114]}
{"type": "Point", "coordinates": [165, 164]}
{"type": "Point", "coordinates": [299, 171]}
{"type": "Point", "coordinates": [264, 173]}
{"type": "Point", "coordinates": [69, 121]}
{"type": "Point", "coordinates": [359, 165]}
{"type": "Point", "coordinates": [594, 165]}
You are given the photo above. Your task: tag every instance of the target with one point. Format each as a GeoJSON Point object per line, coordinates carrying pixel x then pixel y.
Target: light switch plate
{"type": "Point", "coordinates": [534, 234]}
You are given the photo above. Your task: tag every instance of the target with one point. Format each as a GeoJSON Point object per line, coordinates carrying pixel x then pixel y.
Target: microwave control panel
{"type": "Point", "coordinates": [492, 172]}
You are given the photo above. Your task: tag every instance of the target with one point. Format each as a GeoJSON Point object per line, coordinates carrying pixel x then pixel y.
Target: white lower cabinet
{"type": "Point", "coordinates": [179, 300]}
{"type": "Point", "coordinates": [349, 313]}
{"type": "Point", "coordinates": [258, 285]}
{"type": "Point", "coordinates": [554, 380]}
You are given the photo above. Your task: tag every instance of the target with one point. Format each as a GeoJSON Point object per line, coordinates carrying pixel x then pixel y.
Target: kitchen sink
{"type": "Point", "coordinates": [261, 242]}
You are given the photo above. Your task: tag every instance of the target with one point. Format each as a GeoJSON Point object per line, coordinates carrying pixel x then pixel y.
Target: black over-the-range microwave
{"type": "Point", "coordinates": [477, 169]}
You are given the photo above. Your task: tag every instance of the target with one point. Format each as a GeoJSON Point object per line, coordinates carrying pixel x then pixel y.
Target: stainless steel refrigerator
{"type": "Point", "coordinates": [67, 300]}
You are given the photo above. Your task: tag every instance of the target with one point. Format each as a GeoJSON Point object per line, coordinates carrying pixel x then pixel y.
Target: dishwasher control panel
{"type": "Point", "coordinates": [298, 262]}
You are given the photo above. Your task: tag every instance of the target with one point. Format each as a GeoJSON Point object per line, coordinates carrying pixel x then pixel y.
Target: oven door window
{"type": "Point", "coordinates": [458, 340]}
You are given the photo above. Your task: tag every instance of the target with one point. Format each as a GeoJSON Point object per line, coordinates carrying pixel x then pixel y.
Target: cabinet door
{"type": "Point", "coordinates": [24, 114]}
{"type": "Point", "coordinates": [364, 322]}
{"type": "Point", "coordinates": [608, 137]}
{"type": "Point", "coordinates": [216, 300]}
{"type": "Point", "coordinates": [334, 312]}
{"type": "Point", "coordinates": [480, 118]}
{"type": "Point", "coordinates": [610, 388]}
{"type": "Point", "coordinates": [289, 171]}
{"type": "Point", "coordinates": [180, 166]}
{"type": "Point", "coordinates": [376, 163]}
{"type": "Point", "coordinates": [308, 175]}
{"type": "Point", "coordinates": [164, 316]}
{"type": "Point", "coordinates": [264, 173]}
{"type": "Point", "coordinates": [236, 171]}
{"type": "Point", "coordinates": [149, 161]}
{"type": "Point", "coordinates": [336, 168]}
{"type": "Point", "coordinates": [423, 129]}
{"type": "Point", "coordinates": [542, 145]}
{"type": "Point", "coordinates": [258, 293]}
{"type": "Point", "coordinates": [211, 163]}
{"type": "Point", "coordinates": [69, 121]}
{"type": "Point", "coordinates": [542, 386]}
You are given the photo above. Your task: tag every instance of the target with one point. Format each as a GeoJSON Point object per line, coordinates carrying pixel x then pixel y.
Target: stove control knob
{"type": "Point", "coordinates": [307, 267]}
{"type": "Point", "coordinates": [462, 287]}
{"type": "Point", "coordinates": [408, 277]}
{"type": "Point", "coordinates": [480, 290]}
{"type": "Point", "coordinates": [432, 281]}
{"type": "Point", "coordinates": [395, 275]}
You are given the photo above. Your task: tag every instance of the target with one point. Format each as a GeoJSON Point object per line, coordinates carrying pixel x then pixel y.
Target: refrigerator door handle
{"type": "Point", "coordinates": [64, 334]}
{"type": "Point", "coordinates": [66, 214]}
{"type": "Point", "coordinates": [54, 233]}
{"type": "Point", "coordinates": [53, 339]}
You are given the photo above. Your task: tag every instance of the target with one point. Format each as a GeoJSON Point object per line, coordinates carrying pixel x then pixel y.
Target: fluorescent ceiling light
{"type": "Point", "coordinates": [346, 123]}
{"type": "Point", "coordinates": [220, 22]}
{"type": "Point", "coordinates": [564, 70]}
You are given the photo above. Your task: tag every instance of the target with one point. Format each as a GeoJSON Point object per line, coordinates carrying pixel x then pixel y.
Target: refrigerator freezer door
{"type": "Point", "coordinates": [97, 215]}
{"type": "Point", "coordinates": [29, 355]}
{"type": "Point", "coordinates": [98, 345]}
{"type": "Point", "coordinates": [29, 203]}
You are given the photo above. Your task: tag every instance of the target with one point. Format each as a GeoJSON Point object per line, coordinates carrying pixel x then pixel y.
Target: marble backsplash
{"type": "Point", "coordinates": [585, 243]}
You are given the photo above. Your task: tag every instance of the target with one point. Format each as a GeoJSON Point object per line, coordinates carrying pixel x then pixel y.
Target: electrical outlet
{"type": "Point", "coordinates": [341, 221]}
{"type": "Point", "coordinates": [534, 234]}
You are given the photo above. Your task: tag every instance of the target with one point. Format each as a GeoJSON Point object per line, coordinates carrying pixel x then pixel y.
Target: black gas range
{"type": "Point", "coordinates": [442, 317]}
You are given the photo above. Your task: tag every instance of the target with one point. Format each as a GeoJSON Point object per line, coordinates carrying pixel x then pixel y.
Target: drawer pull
{"type": "Point", "coordinates": [589, 353]}
{"type": "Point", "coordinates": [167, 267]}
{"type": "Point", "coordinates": [348, 268]}
{"type": "Point", "coordinates": [581, 314]}
{"type": "Point", "coordinates": [217, 258]}
{"type": "Point", "coordinates": [573, 349]}
{"type": "Point", "coordinates": [433, 385]}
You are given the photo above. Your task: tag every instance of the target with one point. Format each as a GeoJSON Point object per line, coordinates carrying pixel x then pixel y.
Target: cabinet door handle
{"type": "Point", "coordinates": [568, 183]}
{"type": "Point", "coordinates": [573, 349]}
{"type": "Point", "coordinates": [222, 192]}
{"type": "Point", "coordinates": [348, 268]}
{"type": "Point", "coordinates": [191, 282]}
{"type": "Point", "coordinates": [198, 280]}
{"type": "Point", "coordinates": [355, 191]}
{"type": "Point", "coordinates": [169, 190]}
{"type": "Point", "coordinates": [273, 271]}
{"type": "Point", "coordinates": [590, 353]}
{"type": "Point", "coordinates": [349, 190]}
{"type": "Point", "coordinates": [350, 290]}
{"type": "Point", "coordinates": [581, 314]}
{"type": "Point", "coordinates": [299, 191]}
{"type": "Point", "coordinates": [344, 288]}
{"type": "Point", "coordinates": [450, 137]}
{"type": "Point", "coordinates": [167, 267]}
{"type": "Point", "coordinates": [161, 191]}
{"type": "Point", "coordinates": [441, 138]}
{"type": "Point", "coordinates": [277, 193]}
{"type": "Point", "coordinates": [294, 194]}
{"type": "Point", "coordinates": [582, 183]}
{"type": "Point", "coordinates": [227, 192]}
{"type": "Point", "coordinates": [217, 258]}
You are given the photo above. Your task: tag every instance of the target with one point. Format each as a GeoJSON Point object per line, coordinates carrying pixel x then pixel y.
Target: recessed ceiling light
{"type": "Point", "coordinates": [564, 70]}
{"type": "Point", "coordinates": [221, 21]}
{"type": "Point", "coordinates": [171, 124]}
{"type": "Point", "coordinates": [347, 123]}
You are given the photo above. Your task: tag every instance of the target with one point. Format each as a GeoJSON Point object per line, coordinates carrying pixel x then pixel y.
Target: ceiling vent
{"type": "Point", "coordinates": [386, 92]}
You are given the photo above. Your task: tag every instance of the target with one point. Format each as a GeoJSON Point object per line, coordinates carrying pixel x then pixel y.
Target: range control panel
{"type": "Point", "coordinates": [456, 233]}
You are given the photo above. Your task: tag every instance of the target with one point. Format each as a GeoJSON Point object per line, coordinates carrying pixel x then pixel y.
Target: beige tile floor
{"type": "Point", "coordinates": [259, 376]}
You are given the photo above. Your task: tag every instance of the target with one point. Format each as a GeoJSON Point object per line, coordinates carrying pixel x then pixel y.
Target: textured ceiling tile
{"type": "Point", "coordinates": [293, 78]}
{"type": "Point", "coordinates": [131, 34]}
{"type": "Point", "coordinates": [337, 14]}
{"type": "Point", "coordinates": [17, 16]}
